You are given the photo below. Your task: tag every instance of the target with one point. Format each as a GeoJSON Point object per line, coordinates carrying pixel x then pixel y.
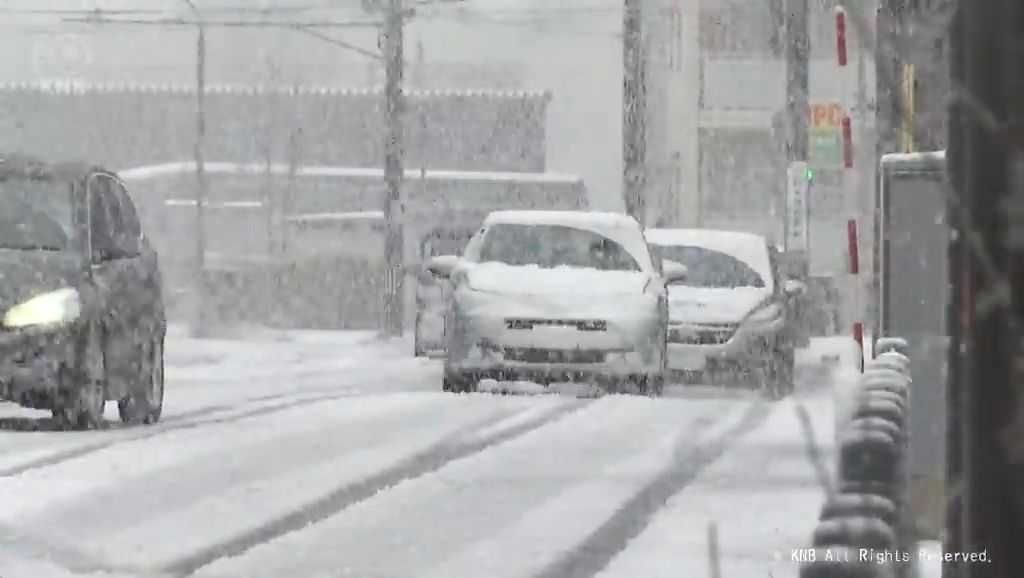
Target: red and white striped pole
{"type": "Point", "coordinates": [854, 270]}
{"type": "Point", "coordinates": [850, 187]}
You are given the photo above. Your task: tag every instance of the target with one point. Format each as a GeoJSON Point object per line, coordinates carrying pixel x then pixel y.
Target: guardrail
{"type": "Point", "coordinates": [863, 529]}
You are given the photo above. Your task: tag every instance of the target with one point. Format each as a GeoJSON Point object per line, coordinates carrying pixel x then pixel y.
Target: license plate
{"type": "Point", "coordinates": [687, 360]}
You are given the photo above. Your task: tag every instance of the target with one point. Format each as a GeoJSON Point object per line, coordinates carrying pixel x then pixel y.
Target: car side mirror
{"type": "Point", "coordinates": [792, 288]}
{"type": "Point", "coordinates": [442, 265]}
{"type": "Point", "coordinates": [673, 272]}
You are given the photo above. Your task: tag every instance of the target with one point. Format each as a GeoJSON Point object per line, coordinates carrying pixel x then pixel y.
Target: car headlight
{"type": "Point", "coordinates": [54, 308]}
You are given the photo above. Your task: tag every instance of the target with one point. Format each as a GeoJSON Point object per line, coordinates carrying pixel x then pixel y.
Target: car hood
{"type": "Point", "coordinates": [532, 281]}
{"type": "Point", "coordinates": [713, 305]}
{"type": "Point", "coordinates": [567, 293]}
{"type": "Point", "coordinates": [25, 274]}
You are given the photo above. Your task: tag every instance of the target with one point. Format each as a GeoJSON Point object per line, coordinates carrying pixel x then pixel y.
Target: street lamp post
{"type": "Point", "coordinates": [199, 284]}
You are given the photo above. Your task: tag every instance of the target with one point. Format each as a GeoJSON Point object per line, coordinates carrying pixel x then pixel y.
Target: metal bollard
{"type": "Point", "coordinates": [880, 384]}
{"type": "Point", "coordinates": [892, 344]}
{"type": "Point", "coordinates": [869, 456]}
{"type": "Point", "coordinates": [857, 505]}
{"type": "Point", "coordinates": [859, 532]}
{"type": "Point", "coordinates": [892, 357]}
{"type": "Point", "coordinates": [876, 373]}
{"type": "Point", "coordinates": [883, 409]}
{"type": "Point", "coordinates": [887, 367]}
{"type": "Point", "coordinates": [892, 397]}
{"type": "Point", "coordinates": [888, 491]}
{"type": "Point", "coordinates": [841, 562]}
{"type": "Point", "coordinates": [878, 424]}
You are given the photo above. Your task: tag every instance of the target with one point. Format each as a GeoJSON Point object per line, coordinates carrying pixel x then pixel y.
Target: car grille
{"type": "Point", "coordinates": [579, 324]}
{"type": "Point", "coordinates": [710, 335]}
{"type": "Point", "coordinates": [535, 355]}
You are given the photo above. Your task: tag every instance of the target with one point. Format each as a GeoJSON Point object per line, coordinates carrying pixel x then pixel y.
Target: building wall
{"type": "Point", "coordinates": [743, 91]}
{"type": "Point", "coordinates": [568, 47]}
{"type": "Point", "coordinates": [132, 125]}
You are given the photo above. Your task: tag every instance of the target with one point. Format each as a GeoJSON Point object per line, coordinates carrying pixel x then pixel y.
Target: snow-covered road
{"type": "Point", "coordinates": [315, 454]}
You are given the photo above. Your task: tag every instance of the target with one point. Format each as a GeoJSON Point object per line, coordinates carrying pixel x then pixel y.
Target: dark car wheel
{"type": "Point", "coordinates": [145, 403]}
{"type": "Point", "coordinates": [81, 401]}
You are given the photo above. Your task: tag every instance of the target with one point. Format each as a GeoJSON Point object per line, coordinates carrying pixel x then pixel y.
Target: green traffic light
{"type": "Point", "coordinates": [809, 174]}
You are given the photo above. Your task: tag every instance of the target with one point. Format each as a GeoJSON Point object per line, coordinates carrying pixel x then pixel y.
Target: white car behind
{"type": "Point", "coordinates": [556, 296]}
{"type": "Point", "coordinates": [730, 315]}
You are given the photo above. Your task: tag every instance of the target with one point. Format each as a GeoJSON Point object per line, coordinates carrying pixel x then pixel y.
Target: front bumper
{"type": "Point", "coordinates": [631, 366]}
{"type": "Point", "coordinates": [30, 362]}
{"type": "Point", "coordinates": [487, 349]}
{"type": "Point", "coordinates": [747, 346]}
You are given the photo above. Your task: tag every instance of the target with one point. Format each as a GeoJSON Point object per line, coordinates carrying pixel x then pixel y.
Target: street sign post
{"type": "Point", "coordinates": [798, 184]}
{"type": "Point", "coordinates": [826, 150]}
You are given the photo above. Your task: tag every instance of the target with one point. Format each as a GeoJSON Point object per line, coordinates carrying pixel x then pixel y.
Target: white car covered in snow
{"type": "Point", "coordinates": [731, 313]}
{"type": "Point", "coordinates": [553, 297]}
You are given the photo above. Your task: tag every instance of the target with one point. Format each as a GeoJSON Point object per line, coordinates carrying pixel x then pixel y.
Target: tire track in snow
{"type": "Point", "coordinates": [592, 555]}
{"type": "Point", "coordinates": [79, 561]}
{"type": "Point", "coordinates": [181, 424]}
{"type": "Point", "coordinates": [455, 447]}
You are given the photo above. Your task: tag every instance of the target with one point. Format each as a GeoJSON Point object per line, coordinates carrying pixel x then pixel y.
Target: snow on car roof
{"type": "Point", "coordinates": [747, 247]}
{"type": "Point", "coordinates": [622, 229]}
{"type": "Point", "coordinates": [567, 218]}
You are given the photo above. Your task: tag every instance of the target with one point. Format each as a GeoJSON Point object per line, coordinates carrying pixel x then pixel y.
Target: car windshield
{"type": "Point", "coordinates": [35, 214]}
{"type": "Point", "coordinates": [550, 246]}
{"type": "Point", "coordinates": [709, 269]}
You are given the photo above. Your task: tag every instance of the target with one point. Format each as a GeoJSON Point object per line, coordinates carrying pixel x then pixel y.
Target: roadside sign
{"type": "Point", "coordinates": [825, 134]}
{"type": "Point", "coordinates": [797, 208]}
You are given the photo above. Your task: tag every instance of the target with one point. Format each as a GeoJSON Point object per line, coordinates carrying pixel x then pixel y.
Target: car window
{"type": "Point", "coordinates": [552, 246]}
{"type": "Point", "coordinates": [128, 230]}
{"type": "Point", "coordinates": [36, 214]}
{"type": "Point", "coordinates": [102, 218]}
{"type": "Point", "coordinates": [710, 269]}
{"type": "Point", "coordinates": [472, 250]}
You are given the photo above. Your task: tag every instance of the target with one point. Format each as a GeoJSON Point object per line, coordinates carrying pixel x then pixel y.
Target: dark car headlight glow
{"type": "Point", "coordinates": [49, 309]}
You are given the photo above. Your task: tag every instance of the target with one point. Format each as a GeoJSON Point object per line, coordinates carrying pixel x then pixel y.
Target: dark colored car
{"type": "Point", "coordinates": [81, 311]}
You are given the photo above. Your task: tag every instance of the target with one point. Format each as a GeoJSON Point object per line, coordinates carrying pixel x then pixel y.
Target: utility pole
{"type": "Point", "coordinates": [797, 121]}
{"type": "Point", "coordinates": [199, 284]}
{"type": "Point", "coordinates": [798, 45]}
{"type": "Point", "coordinates": [634, 108]}
{"type": "Point", "coordinates": [393, 170]}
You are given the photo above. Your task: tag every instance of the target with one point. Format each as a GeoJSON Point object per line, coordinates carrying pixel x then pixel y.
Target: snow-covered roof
{"type": "Point", "coordinates": [170, 169]}
{"type": "Point", "coordinates": [750, 248]}
{"type": "Point", "coordinates": [85, 88]}
{"type": "Point", "coordinates": [932, 160]}
{"type": "Point", "coordinates": [567, 218]}
{"type": "Point", "coordinates": [622, 229]}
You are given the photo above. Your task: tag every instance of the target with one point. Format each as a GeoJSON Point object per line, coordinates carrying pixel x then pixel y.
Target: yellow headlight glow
{"type": "Point", "coordinates": [54, 308]}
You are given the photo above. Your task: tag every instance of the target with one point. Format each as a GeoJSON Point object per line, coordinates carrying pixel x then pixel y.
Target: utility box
{"type": "Point", "coordinates": [914, 237]}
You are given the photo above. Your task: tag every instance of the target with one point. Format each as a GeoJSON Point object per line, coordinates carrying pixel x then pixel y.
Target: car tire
{"type": "Point", "coordinates": [145, 403]}
{"type": "Point", "coordinates": [80, 402]}
{"type": "Point", "coordinates": [459, 383]}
